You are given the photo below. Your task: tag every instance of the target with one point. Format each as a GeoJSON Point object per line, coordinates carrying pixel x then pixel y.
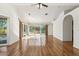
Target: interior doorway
{"type": "Point", "coordinates": [68, 29]}
{"type": "Point", "coordinates": [35, 34]}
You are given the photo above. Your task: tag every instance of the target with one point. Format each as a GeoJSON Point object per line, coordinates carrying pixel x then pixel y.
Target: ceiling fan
{"type": "Point", "coordinates": [39, 5]}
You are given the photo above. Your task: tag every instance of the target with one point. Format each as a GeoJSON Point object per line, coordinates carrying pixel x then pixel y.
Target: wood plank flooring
{"type": "Point", "coordinates": [53, 47]}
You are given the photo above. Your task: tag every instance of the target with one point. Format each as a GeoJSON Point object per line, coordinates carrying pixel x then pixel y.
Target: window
{"type": "Point", "coordinates": [26, 29]}
{"type": "Point", "coordinates": [32, 29]}
{"type": "Point", "coordinates": [3, 30]}
{"type": "Point", "coordinates": [42, 29]}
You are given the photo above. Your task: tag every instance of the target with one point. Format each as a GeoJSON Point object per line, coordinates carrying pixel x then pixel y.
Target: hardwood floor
{"type": "Point", "coordinates": [53, 47]}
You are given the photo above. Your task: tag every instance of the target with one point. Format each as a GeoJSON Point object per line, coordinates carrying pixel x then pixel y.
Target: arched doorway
{"type": "Point", "coordinates": [68, 29]}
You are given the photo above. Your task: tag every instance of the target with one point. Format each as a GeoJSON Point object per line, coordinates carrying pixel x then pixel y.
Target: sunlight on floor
{"type": "Point", "coordinates": [34, 40]}
{"type": "Point", "coordinates": [3, 51]}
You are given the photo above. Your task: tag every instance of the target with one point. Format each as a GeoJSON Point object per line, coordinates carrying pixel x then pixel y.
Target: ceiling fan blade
{"type": "Point", "coordinates": [33, 4]}
{"type": "Point", "coordinates": [44, 5]}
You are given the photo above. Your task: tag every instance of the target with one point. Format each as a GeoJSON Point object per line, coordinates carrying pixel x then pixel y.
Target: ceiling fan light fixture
{"type": "Point", "coordinates": [39, 6]}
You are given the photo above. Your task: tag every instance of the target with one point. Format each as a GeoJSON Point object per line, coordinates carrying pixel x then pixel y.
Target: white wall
{"type": "Point", "coordinates": [50, 29]}
{"type": "Point", "coordinates": [58, 26]}
{"type": "Point", "coordinates": [13, 23]}
{"type": "Point", "coordinates": [75, 15]}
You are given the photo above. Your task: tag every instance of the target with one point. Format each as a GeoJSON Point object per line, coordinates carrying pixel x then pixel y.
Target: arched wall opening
{"type": "Point", "coordinates": [68, 28]}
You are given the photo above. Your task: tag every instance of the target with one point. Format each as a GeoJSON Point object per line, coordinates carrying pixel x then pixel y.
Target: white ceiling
{"type": "Point", "coordinates": [38, 16]}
